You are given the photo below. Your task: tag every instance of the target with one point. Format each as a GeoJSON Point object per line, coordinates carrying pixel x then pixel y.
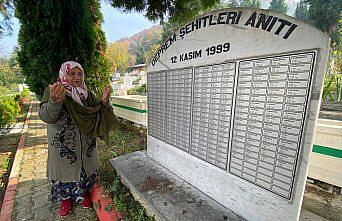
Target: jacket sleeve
{"type": "Point", "coordinates": [49, 110]}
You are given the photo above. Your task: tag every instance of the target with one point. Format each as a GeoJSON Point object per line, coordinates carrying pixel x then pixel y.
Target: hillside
{"type": "Point", "coordinates": [142, 42]}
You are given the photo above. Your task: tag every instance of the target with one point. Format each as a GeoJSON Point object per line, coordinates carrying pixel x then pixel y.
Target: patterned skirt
{"type": "Point", "coordinates": [72, 190]}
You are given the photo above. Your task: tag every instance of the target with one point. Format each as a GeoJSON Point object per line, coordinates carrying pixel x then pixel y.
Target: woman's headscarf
{"type": "Point", "coordinates": [76, 93]}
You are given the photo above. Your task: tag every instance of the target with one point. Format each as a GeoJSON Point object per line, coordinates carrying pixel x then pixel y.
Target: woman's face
{"type": "Point", "coordinates": [75, 77]}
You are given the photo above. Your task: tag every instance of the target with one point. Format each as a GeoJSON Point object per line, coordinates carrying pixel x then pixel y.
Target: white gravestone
{"type": "Point", "coordinates": [127, 80]}
{"type": "Point", "coordinates": [233, 98]}
{"type": "Point", "coordinates": [20, 87]}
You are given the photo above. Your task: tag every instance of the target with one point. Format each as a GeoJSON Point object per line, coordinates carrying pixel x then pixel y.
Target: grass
{"type": "Point", "coordinates": [125, 139]}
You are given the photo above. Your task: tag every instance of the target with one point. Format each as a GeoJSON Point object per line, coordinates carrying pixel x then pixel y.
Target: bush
{"type": "Point", "coordinates": [9, 110]}
{"type": "Point", "coordinates": [142, 89]}
{"type": "Point", "coordinates": [137, 90]}
{"type": "Point", "coordinates": [24, 97]}
{"type": "Point", "coordinates": [25, 94]}
{"type": "Point", "coordinates": [4, 91]}
{"type": "Point", "coordinates": [132, 91]}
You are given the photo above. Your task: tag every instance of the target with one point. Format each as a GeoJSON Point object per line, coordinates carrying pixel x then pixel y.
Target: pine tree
{"type": "Point", "coordinates": [98, 73]}
{"type": "Point", "coordinates": [53, 32]}
{"type": "Point", "coordinates": [302, 11]}
{"type": "Point", "coordinates": [325, 14]}
{"type": "Point", "coordinates": [279, 6]}
{"type": "Point", "coordinates": [234, 3]}
{"type": "Point", "coordinates": [175, 10]}
{"type": "Point", "coordinates": [250, 3]}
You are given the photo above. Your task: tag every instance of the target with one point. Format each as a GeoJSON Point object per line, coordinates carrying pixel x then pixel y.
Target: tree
{"type": "Point", "coordinates": [6, 9]}
{"type": "Point", "coordinates": [144, 46]}
{"type": "Point", "coordinates": [165, 10]}
{"type": "Point", "coordinates": [176, 22]}
{"type": "Point", "coordinates": [10, 72]}
{"type": "Point", "coordinates": [250, 3]}
{"type": "Point", "coordinates": [149, 54]}
{"type": "Point", "coordinates": [279, 6]}
{"type": "Point", "coordinates": [233, 3]}
{"type": "Point", "coordinates": [141, 43]}
{"type": "Point", "coordinates": [14, 65]}
{"type": "Point", "coordinates": [118, 56]}
{"type": "Point", "coordinates": [98, 73]}
{"type": "Point", "coordinates": [6, 75]}
{"type": "Point", "coordinates": [325, 14]}
{"type": "Point", "coordinates": [53, 32]}
{"type": "Point", "coordinates": [302, 11]}
{"type": "Point", "coordinates": [140, 52]}
{"type": "Point", "coordinates": [194, 9]}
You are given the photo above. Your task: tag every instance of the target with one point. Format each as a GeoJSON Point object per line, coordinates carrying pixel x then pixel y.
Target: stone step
{"type": "Point", "coordinates": [165, 195]}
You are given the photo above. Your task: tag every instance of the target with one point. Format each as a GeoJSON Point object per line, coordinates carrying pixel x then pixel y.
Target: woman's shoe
{"type": "Point", "coordinates": [66, 208]}
{"type": "Point", "coordinates": [87, 203]}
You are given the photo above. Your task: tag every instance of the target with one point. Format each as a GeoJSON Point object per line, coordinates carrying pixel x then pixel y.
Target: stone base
{"type": "Point", "coordinates": [164, 194]}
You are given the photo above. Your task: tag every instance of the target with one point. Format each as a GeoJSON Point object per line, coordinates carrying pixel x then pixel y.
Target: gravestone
{"type": "Point", "coordinates": [127, 80]}
{"type": "Point", "coordinates": [233, 98]}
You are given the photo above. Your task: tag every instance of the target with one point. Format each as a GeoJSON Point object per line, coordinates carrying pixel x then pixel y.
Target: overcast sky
{"type": "Point", "coordinates": [116, 25]}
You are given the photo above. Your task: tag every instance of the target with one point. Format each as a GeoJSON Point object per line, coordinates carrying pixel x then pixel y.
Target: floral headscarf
{"type": "Point", "coordinates": [76, 93]}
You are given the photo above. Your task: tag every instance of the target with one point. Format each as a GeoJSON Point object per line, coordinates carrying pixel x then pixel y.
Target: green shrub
{"type": "Point", "coordinates": [132, 91]}
{"type": "Point", "coordinates": [4, 91]}
{"type": "Point", "coordinates": [9, 110]}
{"type": "Point", "coordinates": [137, 90]}
{"type": "Point", "coordinates": [17, 98]}
{"type": "Point", "coordinates": [24, 97]}
{"type": "Point", "coordinates": [25, 93]}
{"type": "Point", "coordinates": [142, 89]}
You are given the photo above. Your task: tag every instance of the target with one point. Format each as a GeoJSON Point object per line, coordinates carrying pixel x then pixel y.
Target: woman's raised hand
{"type": "Point", "coordinates": [106, 93]}
{"type": "Point", "coordinates": [57, 92]}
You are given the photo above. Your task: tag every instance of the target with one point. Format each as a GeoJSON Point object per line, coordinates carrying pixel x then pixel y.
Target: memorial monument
{"type": "Point", "coordinates": [233, 98]}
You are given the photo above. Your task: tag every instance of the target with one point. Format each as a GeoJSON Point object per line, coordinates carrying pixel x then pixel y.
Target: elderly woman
{"type": "Point", "coordinates": [75, 118]}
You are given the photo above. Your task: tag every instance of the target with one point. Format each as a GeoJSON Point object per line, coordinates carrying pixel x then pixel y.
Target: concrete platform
{"type": "Point", "coordinates": [165, 195]}
{"type": "Point", "coordinates": [169, 198]}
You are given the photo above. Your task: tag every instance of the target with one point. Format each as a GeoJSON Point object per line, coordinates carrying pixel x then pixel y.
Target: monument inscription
{"type": "Point", "coordinates": [178, 101]}
{"type": "Point", "coordinates": [156, 104]}
{"type": "Point", "coordinates": [268, 122]}
{"type": "Point", "coordinates": [212, 107]}
{"type": "Point", "coordinates": [231, 111]}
